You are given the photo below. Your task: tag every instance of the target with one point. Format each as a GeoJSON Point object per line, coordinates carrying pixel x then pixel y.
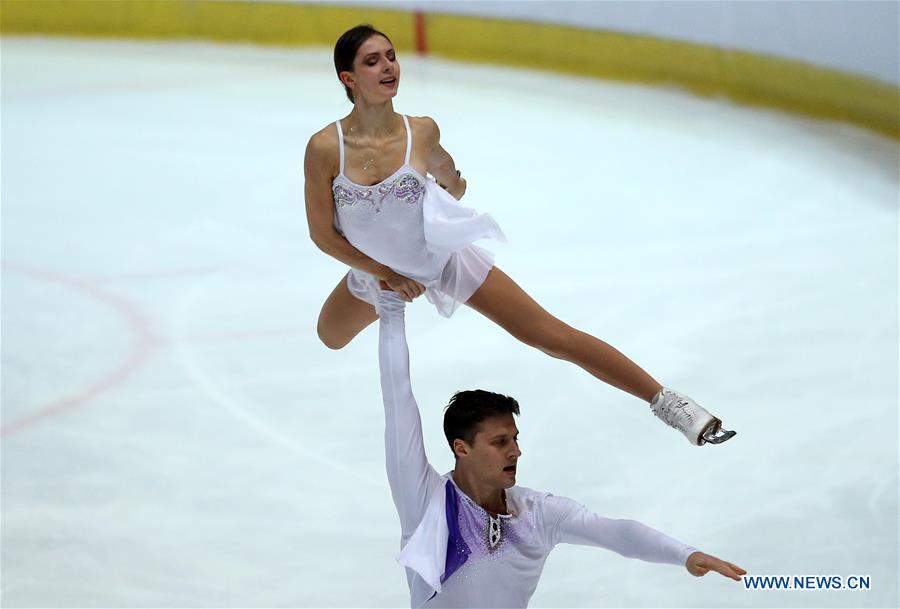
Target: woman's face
{"type": "Point", "coordinates": [376, 70]}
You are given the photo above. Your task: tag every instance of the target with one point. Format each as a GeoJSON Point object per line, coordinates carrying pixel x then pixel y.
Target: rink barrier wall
{"type": "Point", "coordinates": [749, 78]}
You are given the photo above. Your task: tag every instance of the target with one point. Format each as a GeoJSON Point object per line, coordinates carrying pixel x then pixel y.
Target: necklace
{"type": "Point", "coordinates": [368, 163]}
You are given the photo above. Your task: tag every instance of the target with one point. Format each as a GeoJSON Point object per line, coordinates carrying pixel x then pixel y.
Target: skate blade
{"type": "Point", "coordinates": [717, 435]}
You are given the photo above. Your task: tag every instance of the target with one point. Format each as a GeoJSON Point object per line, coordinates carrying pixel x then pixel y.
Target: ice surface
{"type": "Point", "coordinates": [174, 434]}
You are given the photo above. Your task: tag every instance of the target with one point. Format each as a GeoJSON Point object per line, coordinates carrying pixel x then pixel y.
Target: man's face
{"type": "Point", "coordinates": [494, 452]}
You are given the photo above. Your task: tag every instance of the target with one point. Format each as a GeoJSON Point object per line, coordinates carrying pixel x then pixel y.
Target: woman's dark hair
{"type": "Point", "coordinates": [346, 47]}
{"type": "Point", "coordinates": [467, 409]}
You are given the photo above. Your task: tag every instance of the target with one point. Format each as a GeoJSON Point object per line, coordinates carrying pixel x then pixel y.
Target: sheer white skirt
{"type": "Point", "coordinates": [449, 232]}
{"type": "Point", "coordinates": [462, 276]}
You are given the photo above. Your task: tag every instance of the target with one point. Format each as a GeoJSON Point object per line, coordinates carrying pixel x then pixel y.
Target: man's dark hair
{"type": "Point", "coordinates": [467, 409]}
{"type": "Point", "coordinates": [346, 47]}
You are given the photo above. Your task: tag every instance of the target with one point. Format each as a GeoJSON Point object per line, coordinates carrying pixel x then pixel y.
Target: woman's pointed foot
{"type": "Point", "coordinates": [684, 414]}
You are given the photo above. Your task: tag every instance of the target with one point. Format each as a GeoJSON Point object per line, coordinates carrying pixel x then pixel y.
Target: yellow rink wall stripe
{"type": "Point", "coordinates": [746, 77]}
{"type": "Point", "coordinates": [271, 23]}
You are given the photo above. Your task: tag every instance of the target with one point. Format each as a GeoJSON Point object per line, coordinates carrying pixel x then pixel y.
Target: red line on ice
{"type": "Point", "coordinates": [143, 344]}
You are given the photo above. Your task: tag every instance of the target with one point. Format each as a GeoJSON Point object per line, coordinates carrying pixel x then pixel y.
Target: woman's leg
{"type": "Point", "coordinates": [501, 300]}
{"type": "Point", "coordinates": [343, 316]}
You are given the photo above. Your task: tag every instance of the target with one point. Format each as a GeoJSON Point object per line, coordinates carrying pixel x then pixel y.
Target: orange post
{"type": "Point", "coordinates": [421, 45]}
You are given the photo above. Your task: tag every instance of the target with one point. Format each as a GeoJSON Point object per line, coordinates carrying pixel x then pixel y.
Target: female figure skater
{"type": "Point", "coordinates": [370, 205]}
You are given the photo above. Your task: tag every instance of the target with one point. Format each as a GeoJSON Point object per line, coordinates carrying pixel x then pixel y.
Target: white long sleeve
{"type": "Point", "coordinates": [576, 524]}
{"type": "Point", "coordinates": [411, 477]}
{"type": "Point", "coordinates": [504, 575]}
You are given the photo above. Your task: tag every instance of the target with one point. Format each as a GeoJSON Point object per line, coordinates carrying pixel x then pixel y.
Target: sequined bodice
{"type": "Point", "coordinates": [404, 186]}
{"type": "Point", "coordinates": [385, 221]}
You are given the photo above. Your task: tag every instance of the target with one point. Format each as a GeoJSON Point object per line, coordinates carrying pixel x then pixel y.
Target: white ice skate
{"type": "Point", "coordinates": [684, 414]}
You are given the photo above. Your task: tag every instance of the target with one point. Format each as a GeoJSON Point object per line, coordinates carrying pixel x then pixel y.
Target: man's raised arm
{"type": "Point", "coordinates": [411, 477]}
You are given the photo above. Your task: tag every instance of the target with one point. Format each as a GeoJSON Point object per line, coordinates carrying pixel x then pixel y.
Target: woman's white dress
{"type": "Point", "coordinates": [411, 224]}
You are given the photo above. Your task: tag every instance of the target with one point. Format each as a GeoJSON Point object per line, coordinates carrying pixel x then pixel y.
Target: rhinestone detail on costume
{"type": "Point", "coordinates": [405, 187]}
{"type": "Point", "coordinates": [494, 531]}
{"type": "Point", "coordinates": [491, 533]}
{"type": "Point", "coordinates": [344, 196]}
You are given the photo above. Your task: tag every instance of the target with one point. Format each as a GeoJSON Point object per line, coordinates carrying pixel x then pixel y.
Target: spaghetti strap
{"type": "Point", "coordinates": [408, 139]}
{"type": "Point", "coordinates": [340, 144]}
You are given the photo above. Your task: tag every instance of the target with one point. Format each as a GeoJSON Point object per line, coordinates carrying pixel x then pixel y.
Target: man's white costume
{"type": "Point", "coordinates": [457, 554]}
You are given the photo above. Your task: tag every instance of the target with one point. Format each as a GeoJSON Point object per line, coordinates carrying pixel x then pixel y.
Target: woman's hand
{"type": "Point", "coordinates": [699, 564]}
{"type": "Point", "coordinates": [407, 288]}
{"type": "Point", "coordinates": [458, 189]}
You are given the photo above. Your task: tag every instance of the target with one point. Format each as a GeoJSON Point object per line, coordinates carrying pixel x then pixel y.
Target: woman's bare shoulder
{"type": "Point", "coordinates": [426, 127]}
{"type": "Point", "coordinates": [323, 146]}
{"type": "Point", "coordinates": [324, 137]}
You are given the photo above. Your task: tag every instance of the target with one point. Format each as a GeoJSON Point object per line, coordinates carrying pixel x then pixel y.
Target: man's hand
{"type": "Point", "coordinates": [699, 564]}
{"type": "Point", "coordinates": [407, 288]}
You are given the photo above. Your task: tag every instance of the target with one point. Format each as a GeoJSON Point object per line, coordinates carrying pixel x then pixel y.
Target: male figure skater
{"type": "Point", "coordinates": [472, 538]}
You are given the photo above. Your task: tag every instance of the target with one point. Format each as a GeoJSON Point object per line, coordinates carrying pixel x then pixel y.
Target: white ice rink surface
{"type": "Point", "coordinates": [175, 435]}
